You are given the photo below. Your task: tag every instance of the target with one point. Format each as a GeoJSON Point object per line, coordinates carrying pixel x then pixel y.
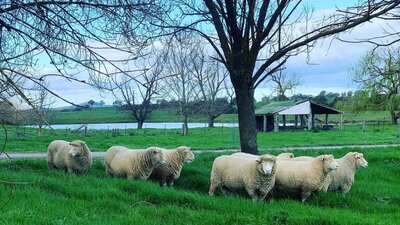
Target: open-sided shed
{"type": "Point", "coordinates": [268, 116]}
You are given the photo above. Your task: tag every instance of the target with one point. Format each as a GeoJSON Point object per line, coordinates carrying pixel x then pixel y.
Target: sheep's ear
{"type": "Point", "coordinates": [291, 156]}
{"type": "Point", "coordinates": [154, 151]}
{"type": "Point", "coordinates": [258, 160]}
{"type": "Point", "coordinates": [322, 158]}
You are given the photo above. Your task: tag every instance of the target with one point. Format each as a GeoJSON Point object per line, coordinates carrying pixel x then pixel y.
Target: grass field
{"type": "Point", "coordinates": [111, 115]}
{"type": "Point", "coordinates": [27, 139]}
{"type": "Point", "coordinates": [94, 198]}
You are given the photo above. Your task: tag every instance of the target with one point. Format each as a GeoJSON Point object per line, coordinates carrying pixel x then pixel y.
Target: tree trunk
{"type": "Point", "coordinates": [393, 116]}
{"type": "Point", "coordinates": [211, 121]}
{"type": "Point", "coordinates": [185, 127]}
{"type": "Point", "coordinates": [247, 118]}
{"type": "Point", "coordinates": [140, 124]}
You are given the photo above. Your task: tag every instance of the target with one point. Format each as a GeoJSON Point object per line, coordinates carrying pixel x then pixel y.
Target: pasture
{"type": "Point", "coordinates": [57, 198]}
{"type": "Point", "coordinates": [27, 139]}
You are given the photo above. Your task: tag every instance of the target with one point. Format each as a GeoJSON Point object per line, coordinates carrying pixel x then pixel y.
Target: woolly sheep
{"type": "Point", "coordinates": [71, 157]}
{"type": "Point", "coordinates": [254, 174]}
{"type": "Point", "coordinates": [132, 164]}
{"type": "Point", "coordinates": [169, 172]}
{"type": "Point", "coordinates": [285, 156]}
{"type": "Point", "coordinates": [306, 176]}
{"type": "Point", "coordinates": [343, 178]}
{"type": "Point", "coordinates": [302, 158]}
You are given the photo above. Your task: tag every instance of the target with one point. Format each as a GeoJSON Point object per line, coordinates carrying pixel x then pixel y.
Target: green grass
{"type": "Point", "coordinates": [111, 115]}
{"type": "Point", "coordinates": [94, 198]}
{"type": "Point", "coordinates": [27, 139]}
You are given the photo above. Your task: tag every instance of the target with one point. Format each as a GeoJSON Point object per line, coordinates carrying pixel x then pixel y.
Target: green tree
{"type": "Point", "coordinates": [253, 39]}
{"type": "Point", "coordinates": [378, 73]}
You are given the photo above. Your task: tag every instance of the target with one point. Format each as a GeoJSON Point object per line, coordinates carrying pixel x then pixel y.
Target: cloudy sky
{"type": "Point", "coordinates": [328, 68]}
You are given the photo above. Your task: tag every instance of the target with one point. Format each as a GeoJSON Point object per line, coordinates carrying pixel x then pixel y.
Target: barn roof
{"type": "Point", "coordinates": [295, 107]}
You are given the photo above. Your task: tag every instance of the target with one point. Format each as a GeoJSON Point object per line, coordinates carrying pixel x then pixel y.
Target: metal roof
{"type": "Point", "coordinates": [296, 107]}
{"type": "Point", "coordinates": [275, 107]}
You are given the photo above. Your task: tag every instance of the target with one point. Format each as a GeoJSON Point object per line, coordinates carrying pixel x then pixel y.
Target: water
{"type": "Point", "coordinates": [106, 126]}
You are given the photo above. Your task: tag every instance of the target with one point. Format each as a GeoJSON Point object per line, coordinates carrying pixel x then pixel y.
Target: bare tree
{"type": "Point", "coordinates": [43, 103]}
{"type": "Point", "coordinates": [215, 93]}
{"type": "Point", "coordinates": [180, 86]}
{"type": "Point", "coordinates": [284, 82]}
{"type": "Point", "coordinates": [378, 72]}
{"type": "Point", "coordinates": [137, 94]}
{"type": "Point", "coordinates": [67, 38]}
{"type": "Point", "coordinates": [253, 39]}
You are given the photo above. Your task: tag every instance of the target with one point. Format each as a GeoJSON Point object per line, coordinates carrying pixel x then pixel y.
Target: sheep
{"type": "Point", "coordinates": [343, 178]}
{"type": "Point", "coordinates": [285, 156]}
{"type": "Point", "coordinates": [132, 164]}
{"type": "Point", "coordinates": [303, 176]}
{"type": "Point", "coordinates": [166, 174]}
{"type": "Point", "coordinates": [72, 157]}
{"type": "Point", "coordinates": [302, 158]}
{"type": "Point", "coordinates": [255, 174]}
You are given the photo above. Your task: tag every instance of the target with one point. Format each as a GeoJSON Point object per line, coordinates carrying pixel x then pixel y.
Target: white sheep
{"type": "Point", "coordinates": [132, 164]}
{"type": "Point", "coordinates": [303, 158]}
{"type": "Point", "coordinates": [285, 156]}
{"type": "Point", "coordinates": [169, 172]}
{"type": "Point", "coordinates": [343, 178]}
{"type": "Point", "coordinates": [254, 174]}
{"type": "Point", "coordinates": [303, 176]}
{"type": "Point", "coordinates": [71, 157]}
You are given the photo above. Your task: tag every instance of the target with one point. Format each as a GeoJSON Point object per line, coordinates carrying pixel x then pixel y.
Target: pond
{"type": "Point", "coordinates": [107, 126]}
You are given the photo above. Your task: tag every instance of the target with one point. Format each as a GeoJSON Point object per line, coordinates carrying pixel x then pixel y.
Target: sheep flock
{"type": "Point", "coordinates": [261, 177]}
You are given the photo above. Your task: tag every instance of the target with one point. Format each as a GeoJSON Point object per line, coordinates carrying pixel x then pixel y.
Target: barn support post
{"type": "Point", "coordinates": [326, 119]}
{"type": "Point", "coordinates": [310, 121]}
{"type": "Point", "coordinates": [341, 121]}
{"type": "Point", "coordinates": [276, 125]}
{"type": "Point", "coordinates": [284, 121]}
{"type": "Point", "coordinates": [265, 119]}
{"type": "Point", "coordinates": [296, 120]}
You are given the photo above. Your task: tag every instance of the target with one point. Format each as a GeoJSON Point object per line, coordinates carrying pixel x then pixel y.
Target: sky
{"type": "Point", "coordinates": [327, 69]}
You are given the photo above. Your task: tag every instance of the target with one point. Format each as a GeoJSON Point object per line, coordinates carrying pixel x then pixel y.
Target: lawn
{"type": "Point", "coordinates": [94, 198]}
{"type": "Point", "coordinates": [27, 140]}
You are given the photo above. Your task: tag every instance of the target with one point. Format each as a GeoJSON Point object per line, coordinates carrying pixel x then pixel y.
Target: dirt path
{"type": "Point", "coordinates": [97, 154]}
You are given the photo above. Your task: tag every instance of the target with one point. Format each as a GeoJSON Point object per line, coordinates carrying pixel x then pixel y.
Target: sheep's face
{"type": "Point", "coordinates": [77, 148]}
{"type": "Point", "coordinates": [360, 161]}
{"type": "Point", "coordinates": [157, 156]}
{"type": "Point", "coordinates": [266, 164]}
{"type": "Point", "coordinates": [285, 156]}
{"type": "Point", "coordinates": [329, 162]}
{"type": "Point", "coordinates": [189, 156]}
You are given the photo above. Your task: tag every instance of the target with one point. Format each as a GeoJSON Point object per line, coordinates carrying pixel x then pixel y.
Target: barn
{"type": "Point", "coordinates": [274, 115]}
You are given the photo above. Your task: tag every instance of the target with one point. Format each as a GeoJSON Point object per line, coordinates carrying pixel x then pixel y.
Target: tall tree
{"type": "Point", "coordinates": [378, 73]}
{"type": "Point", "coordinates": [284, 82]}
{"type": "Point", "coordinates": [68, 37]}
{"type": "Point", "coordinates": [181, 86]}
{"type": "Point", "coordinates": [214, 92]}
{"type": "Point", "coordinates": [255, 38]}
{"type": "Point", "coordinates": [138, 91]}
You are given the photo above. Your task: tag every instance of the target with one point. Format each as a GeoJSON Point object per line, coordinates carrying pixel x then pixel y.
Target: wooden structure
{"type": "Point", "coordinates": [268, 117]}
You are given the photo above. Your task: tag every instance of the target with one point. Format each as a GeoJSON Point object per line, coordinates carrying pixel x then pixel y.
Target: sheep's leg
{"type": "Point", "coordinates": [70, 170]}
{"type": "Point", "coordinates": [252, 193]}
{"type": "Point", "coordinates": [345, 188]}
{"type": "Point", "coordinates": [304, 195]}
{"type": "Point", "coordinates": [171, 182]}
{"type": "Point", "coordinates": [51, 165]}
{"type": "Point", "coordinates": [225, 190]}
{"type": "Point", "coordinates": [213, 186]}
{"type": "Point", "coordinates": [269, 197]}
